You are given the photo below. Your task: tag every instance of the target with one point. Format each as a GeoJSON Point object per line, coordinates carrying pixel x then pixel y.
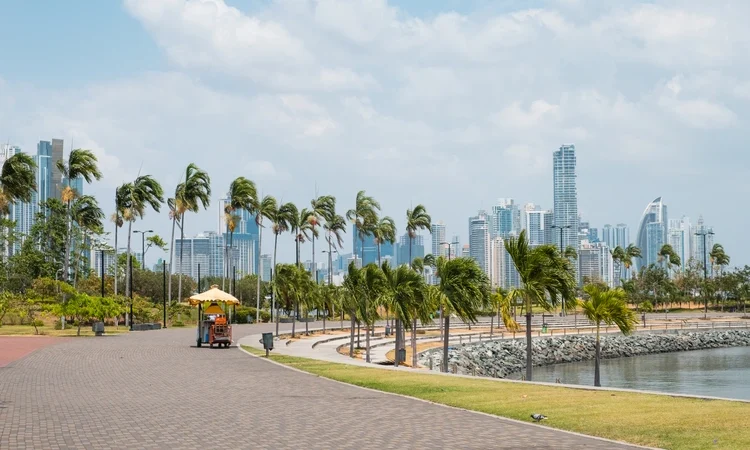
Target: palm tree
{"type": "Point", "coordinates": [618, 255]}
{"type": "Point", "coordinates": [364, 215]}
{"type": "Point", "coordinates": [463, 291]}
{"type": "Point", "coordinates": [353, 287]}
{"type": "Point", "coordinates": [607, 306]}
{"type": "Point", "coordinates": [190, 195]}
{"type": "Point", "coordinates": [301, 228]}
{"type": "Point", "coordinates": [17, 183]}
{"type": "Point", "coordinates": [87, 215]}
{"type": "Point", "coordinates": [174, 213]}
{"type": "Point", "coordinates": [384, 231]}
{"type": "Point", "coordinates": [80, 164]}
{"type": "Point", "coordinates": [118, 219]}
{"type": "Point", "coordinates": [293, 285]}
{"type": "Point", "coordinates": [547, 279]}
{"type": "Point", "coordinates": [405, 288]}
{"type": "Point", "coordinates": [631, 251]}
{"type": "Point", "coordinates": [282, 219]}
{"type": "Point", "coordinates": [719, 257]}
{"type": "Point", "coordinates": [241, 194]}
{"type": "Point", "coordinates": [416, 219]}
{"type": "Point", "coordinates": [143, 192]}
{"type": "Point", "coordinates": [374, 288]}
{"type": "Point", "coordinates": [334, 226]}
{"type": "Point", "coordinates": [321, 208]}
{"type": "Point", "coordinates": [266, 208]}
{"type": "Point", "coordinates": [667, 253]}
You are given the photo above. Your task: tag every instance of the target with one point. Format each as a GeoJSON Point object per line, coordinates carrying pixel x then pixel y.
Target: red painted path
{"type": "Point", "coordinates": [13, 348]}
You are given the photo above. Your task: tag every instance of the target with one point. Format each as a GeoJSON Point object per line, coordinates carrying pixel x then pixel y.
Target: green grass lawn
{"type": "Point", "coordinates": [28, 330]}
{"type": "Point", "coordinates": [651, 420]}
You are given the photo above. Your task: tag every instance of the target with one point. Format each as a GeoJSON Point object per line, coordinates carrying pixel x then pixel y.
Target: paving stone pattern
{"type": "Point", "coordinates": [152, 390]}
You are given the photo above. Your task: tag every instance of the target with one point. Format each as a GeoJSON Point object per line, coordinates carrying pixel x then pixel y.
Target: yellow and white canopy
{"type": "Point", "coordinates": [213, 295]}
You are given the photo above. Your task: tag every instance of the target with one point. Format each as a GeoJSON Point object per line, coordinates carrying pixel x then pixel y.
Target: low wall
{"type": "Point", "coordinates": [502, 357]}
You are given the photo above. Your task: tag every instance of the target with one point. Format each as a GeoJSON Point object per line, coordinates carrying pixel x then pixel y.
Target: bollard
{"type": "Point", "coordinates": [430, 362]}
{"type": "Point", "coordinates": [455, 368]}
{"type": "Point", "coordinates": [460, 340]}
{"type": "Point", "coordinates": [469, 338]}
{"type": "Point", "coordinates": [474, 371]}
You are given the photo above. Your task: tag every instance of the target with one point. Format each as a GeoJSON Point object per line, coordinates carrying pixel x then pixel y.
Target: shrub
{"type": "Point", "coordinates": [178, 324]}
{"type": "Point", "coordinates": [242, 312]}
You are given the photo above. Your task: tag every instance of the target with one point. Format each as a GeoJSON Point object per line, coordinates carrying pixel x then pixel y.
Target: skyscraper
{"type": "Point", "coordinates": [497, 262]}
{"type": "Point", "coordinates": [652, 233]}
{"type": "Point", "coordinates": [244, 240]}
{"type": "Point", "coordinates": [479, 240]}
{"type": "Point", "coordinates": [417, 249]}
{"type": "Point", "coordinates": [595, 263]}
{"type": "Point", "coordinates": [505, 218]}
{"type": "Point", "coordinates": [371, 247]}
{"type": "Point", "coordinates": [622, 235]}
{"type": "Point", "coordinates": [438, 237]}
{"type": "Point", "coordinates": [265, 267]}
{"type": "Point", "coordinates": [539, 227]}
{"type": "Point", "coordinates": [57, 178]}
{"type": "Point", "coordinates": [680, 238]}
{"type": "Point", "coordinates": [697, 244]}
{"type": "Point", "coordinates": [565, 195]}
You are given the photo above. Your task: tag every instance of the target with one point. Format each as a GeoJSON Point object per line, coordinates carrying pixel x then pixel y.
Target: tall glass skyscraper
{"type": "Point", "coordinates": [371, 248]}
{"type": "Point", "coordinates": [438, 237]}
{"type": "Point", "coordinates": [479, 241]}
{"type": "Point", "coordinates": [652, 233]}
{"type": "Point", "coordinates": [565, 196]}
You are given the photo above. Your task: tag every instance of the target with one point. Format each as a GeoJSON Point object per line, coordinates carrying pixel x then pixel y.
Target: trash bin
{"type": "Point", "coordinates": [544, 328]}
{"type": "Point", "coordinates": [387, 331]}
{"type": "Point", "coordinates": [98, 328]}
{"type": "Point", "coordinates": [402, 355]}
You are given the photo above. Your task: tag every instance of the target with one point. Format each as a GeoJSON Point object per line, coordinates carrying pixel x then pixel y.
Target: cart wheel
{"type": "Point", "coordinates": [211, 345]}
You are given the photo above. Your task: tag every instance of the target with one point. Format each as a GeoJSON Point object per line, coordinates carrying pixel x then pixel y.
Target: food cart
{"type": "Point", "coordinates": [213, 323]}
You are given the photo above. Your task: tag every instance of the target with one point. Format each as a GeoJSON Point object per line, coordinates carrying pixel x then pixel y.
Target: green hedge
{"type": "Point", "coordinates": [243, 311]}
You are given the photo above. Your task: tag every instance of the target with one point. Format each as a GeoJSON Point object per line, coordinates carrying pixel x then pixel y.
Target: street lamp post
{"type": "Point", "coordinates": [705, 233]}
{"type": "Point", "coordinates": [143, 246]}
{"type": "Point", "coordinates": [562, 250]}
{"type": "Point", "coordinates": [449, 244]}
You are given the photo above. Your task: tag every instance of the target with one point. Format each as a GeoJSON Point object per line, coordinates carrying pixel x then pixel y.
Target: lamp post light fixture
{"type": "Point", "coordinates": [705, 233]}
{"type": "Point", "coordinates": [143, 246]}
{"type": "Point", "coordinates": [449, 244]}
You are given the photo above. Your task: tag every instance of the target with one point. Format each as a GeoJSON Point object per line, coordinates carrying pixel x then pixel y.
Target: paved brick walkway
{"type": "Point", "coordinates": [16, 347]}
{"type": "Point", "coordinates": [151, 390]}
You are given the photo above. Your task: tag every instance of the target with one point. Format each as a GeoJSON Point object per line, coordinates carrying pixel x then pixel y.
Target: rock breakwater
{"type": "Point", "coordinates": [502, 357]}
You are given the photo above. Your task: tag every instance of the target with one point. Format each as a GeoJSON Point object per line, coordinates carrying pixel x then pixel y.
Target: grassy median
{"type": "Point", "coordinates": [651, 420]}
{"type": "Point", "coordinates": [69, 331]}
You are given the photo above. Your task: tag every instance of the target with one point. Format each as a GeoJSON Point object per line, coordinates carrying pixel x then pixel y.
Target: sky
{"type": "Point", "coordinates": [451, 104]}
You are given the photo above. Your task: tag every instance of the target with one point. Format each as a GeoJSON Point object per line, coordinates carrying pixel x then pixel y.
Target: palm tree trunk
{"type": "Point", "coordinates": [351, 334]}
{"type": "Point", "coordinates": [446, 336]}
{"type": "Point", "coordinates": [307, 329]}
{"type": "Point", "coordinates": [171, 258]}
{"type": "Point", "coordinates": [597, 381]}
{"type": "Point", "coordinates": [380, 263]}
{"type": "Point", "coordinates": [257, 275]}
{"type": "Point", "coordinates": [294, 323]}
{"type": "Point", "coordinates": [314, 268]}
{"type": "Point", "coordinates": [367, 338]}
{"type": "Point", "coordinates": [116, 268]}
{"type": "Point", "coordinates": [414, 343]}
{"type": "Point", "coordinates": [410, 250]}
{"type": "Point", "coordinates": [528, 342]}
{"type": "Point", "coordinates": [397, 343]}
{"type": "Point", "coordinates": [363, 251]}
{"type": "Point", "coordinates": [182, 245]}
{"type": "Point", "coordinates": [273, 284]}
{"type": "Point", "coordinates": [129, 281]}
{"type": "Point", "coordinates": [69, 227]}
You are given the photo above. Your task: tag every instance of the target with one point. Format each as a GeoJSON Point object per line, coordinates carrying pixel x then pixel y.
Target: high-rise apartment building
{"type": "Point", "coordinates": [680, 238]}
{"type": "Point", "coordinates": [700, 250]}
{"type": "Point", "coordinates": [479, 240]}
{"type": "Point", "coordinates": [652, 233]}
{"type": "Point", "coordinates": [57, 178]}
{"type": "Point", "coordinates": [595, 263]}
{"type": "Point", "coordinates": [371, 247]}
{"type": "Point", "coordinates": [416, 245]}
{"type": "Point", "coordinates": [505, 218]}
{"type": "Point", "coordinates": [539, 227]}
{"type": "Point", "coordinates": [266, 264]}
{"type": "Point", "coordinates": [244, 241]}
{"type": "Point", "coordinates": [565, 196]}
{"type": "Point", "coordinates": [439, 248]}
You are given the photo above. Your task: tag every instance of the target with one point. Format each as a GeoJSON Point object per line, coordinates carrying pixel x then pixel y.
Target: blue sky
{"type": "Point", "coordinates": [448, 103]}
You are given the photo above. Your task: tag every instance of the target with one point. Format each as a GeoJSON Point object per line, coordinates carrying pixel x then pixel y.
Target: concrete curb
{"type": "Point", "coordinates": [500, 418]}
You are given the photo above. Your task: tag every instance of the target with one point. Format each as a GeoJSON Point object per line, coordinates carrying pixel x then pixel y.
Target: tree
{"type": "Point", "coordinates": [668, 255]}
{"type": "Point", "coordinates": [80, 164]}
{"type": "Point", "coordinates": [292, 284]}
{"type": "Point", "coordinates": [618, 255]}
{"type": "Point", "coordinates": [301, 227]}
{"type": "Point", "coordinates": [631, 251]}
{"type": "Point", "coordinates": [607, 306]}
{"type": "Point", "coordinates": [118, 219]}
{"type": "Point", "coordinates": [264, 209]}
{"type": "Point", "coordinates": [191, 194]}
{"type": "Point", "coordinates": [155, 241]}
{"type": "Point", "coordinates": [718, 257]}
{"type": "Point", "coordinates": [384, 231]}
{"type": "Point", "coordinates": [87, 215]}
{"type": "Point", "coordinates": [335, 227]}
{"type": "Point", "coordinates": [405, 288]}
{"type": "Point", "coordinates": [320, 208]}
{"type": "Point", "coordinates": [282, 220]}
{"type": "Point", "coordinates": [373, 289]}
{"type": "Point", "coordinates": [547, 279]}
{"type": "Point", "coordinates": [353, 287]}
{"type": "Point", "coordinates": [144, 192]}
{"type": "Point", "coordinates": [416, 219]}
{"type": "Point", "coordinates": [241, 194]}
{"type": "Point", "coordinates": [17, 182]}
{"type": "Point", "coordinates": [464, 290]}
{"type": "Point", "coordinates": [364, 215]}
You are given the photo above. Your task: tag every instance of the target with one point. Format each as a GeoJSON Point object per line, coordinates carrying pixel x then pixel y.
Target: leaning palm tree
{"type": "Point", "coordinates": [80, 164]}
{"type": "Point", "coordinates": [282, 219]}
{"type": "Point", "coordinates": [416, 219]}
{"type": "Point", "coordinates": [17, 183]}
{"type": "Point", "coordinates": [293, 284]}
{"type": "Point", "coordinates": [118, 219]}
{"type": "Point", "coordinates": [463, 291]}
{"type": "Point", "coordinates": [374, 288]}
{"type": "Point", "coordinates": [384, 231]}
{"type": "Point", "coordinates": [302, 231]}
{"type": "Point", "coordinates": [241, 194]}
{"type": "Point", "coordinates": [668, 255]}
{"type": "Point", "coordinates": [335, 227]}
{"type": "Point", "coordinates": [144, 192]}
{"type": "Point", "coordinates": [364, 215]}
{"type": "Point", "coordinates": [320, 208]}
{"type": "Point", "coordinates": [547, 279]}
{"type": "Point", "coordinates": [264, 209]}
{"type": "Point", "coordinates": [618, 255]}
{"type": "Point", "coordinates": [353, 294]}
{"type": "Point", "coordinates": [191, 194]}
{"type": "Point", "coordinates": [718, 257]}
{"type": "Point", "coordinates": [607, 306]}
{"type": "Point", "coordinates": [631, 251]}
{"type": "Point", "coordinates": [87, 215]}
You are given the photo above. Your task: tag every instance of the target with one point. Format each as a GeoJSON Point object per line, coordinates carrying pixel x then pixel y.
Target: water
{"type": "Point", "coordinates": [720, 372]}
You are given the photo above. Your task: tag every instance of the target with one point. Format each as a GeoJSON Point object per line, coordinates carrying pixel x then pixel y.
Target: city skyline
{"type": "Point", "coordinates": [643, 126]}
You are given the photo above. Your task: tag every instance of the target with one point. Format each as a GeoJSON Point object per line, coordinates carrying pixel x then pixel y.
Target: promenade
{"type": "Point", "coordinates": [155, 390]}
